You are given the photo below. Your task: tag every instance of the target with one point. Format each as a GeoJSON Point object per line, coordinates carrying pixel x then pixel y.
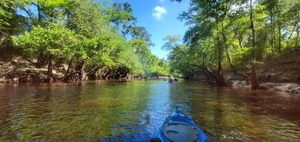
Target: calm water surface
{"type": "Point", "coordinates": [132, 111]}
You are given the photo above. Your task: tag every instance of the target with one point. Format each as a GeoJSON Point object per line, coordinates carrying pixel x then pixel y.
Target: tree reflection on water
{"type": "Point", "coordinates": [133, 111]}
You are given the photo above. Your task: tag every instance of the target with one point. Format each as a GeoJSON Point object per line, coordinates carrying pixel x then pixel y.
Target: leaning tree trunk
{"type": "Point", "coordinates": [66, 77]}
{"type": "Point", "coordinates": [92, 74]}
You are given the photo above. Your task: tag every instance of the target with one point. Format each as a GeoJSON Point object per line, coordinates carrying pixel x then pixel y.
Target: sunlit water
{"type": "Point", "coordinates": [133, 111]}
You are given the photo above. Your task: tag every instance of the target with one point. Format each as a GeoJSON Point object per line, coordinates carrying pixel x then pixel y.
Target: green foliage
{"type": "Point", "coordinates": [4, 13]}
{"type": "Point", "coordinates": [86, 19]}
{"type": "Point", "coordinates": [126, 57]}
{"type": "Point", "coordinates": [140, 33]}
{"type": "Point", "coordinates": [233, 34]}
{"type": "Point", "coordinates": [170, 42]}
{"type": "Point", "coordinates": [159, 66]}
{"type": "Point", "coordinates": [54, 40]}
{"type": "Point", "coordinates": [10, 24]}
{"type": "Point", "coordinates": [91, 34]}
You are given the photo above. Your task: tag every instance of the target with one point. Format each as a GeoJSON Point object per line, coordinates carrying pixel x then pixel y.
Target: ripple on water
{"type": "Point", "coordinates": [114, 111]}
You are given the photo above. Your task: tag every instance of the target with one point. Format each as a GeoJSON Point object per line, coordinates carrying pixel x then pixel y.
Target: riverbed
{"type": "Point", "coordinates": [134, 110]}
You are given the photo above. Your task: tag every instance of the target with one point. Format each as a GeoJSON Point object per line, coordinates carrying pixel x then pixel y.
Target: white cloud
{"type": "Point", "coordinates": [158, 12]}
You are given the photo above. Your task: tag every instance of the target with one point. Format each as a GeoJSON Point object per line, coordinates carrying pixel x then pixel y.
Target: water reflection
{"type": "Point", "coordinates": [132, 111]}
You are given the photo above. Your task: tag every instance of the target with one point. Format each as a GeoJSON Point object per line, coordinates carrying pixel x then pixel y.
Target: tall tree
{"type": "Point", "coordinates": [254, 83]}
{"type": "Point", "coordinates": [121, 16]}
{"type": "Point", "coordinates": [139, 32]}
{"type": "Point", "coordinates": [210, 16]}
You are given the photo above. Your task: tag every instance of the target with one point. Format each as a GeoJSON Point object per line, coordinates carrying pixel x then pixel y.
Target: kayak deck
{"type": "Point", "coordinates": [180, 131]}
{"type": "Point", "coordinates": [179, 128]}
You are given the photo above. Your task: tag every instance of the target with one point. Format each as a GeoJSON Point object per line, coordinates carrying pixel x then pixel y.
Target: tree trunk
{"type": "Point", "coordinates": [42, 61]}
{"type": "Point", "coordinates": [240, 41]}
{"type": "Point", "coordinates": [230, 64]}
{"type": "Point", "coordinates": [66, 77]}
{"type": "Point", "coordinates": [254, 83]}
{"type": "Point", "coordinates": [220, 78]}
{"type": "Point", "coordinates": [79, 67]}
{"type": "Point", "coordinates": [227, 54]}
{"type": "Point", "coordinates": [252, 26]}
{"type": "Point", "coordinates": [92, 74]}
{"type": "Point", "coordinates": [279, 37]}
{"type": "Point", "coordinates": [49, 72]}
{"type": "Point", "coordinates": [238, 36]}
{"type": "Point", "coordinates": [297, 36]}
{"type": "Point", "coordinates": [272, 38]}
{"type": "Point", "coordinates": [296, 29]}
{"type": "Point", "coordinates": [279, 28]}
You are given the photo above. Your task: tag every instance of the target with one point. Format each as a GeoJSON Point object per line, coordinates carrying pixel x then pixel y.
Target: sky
{"type": "Point", "coordinates": [160, 18]}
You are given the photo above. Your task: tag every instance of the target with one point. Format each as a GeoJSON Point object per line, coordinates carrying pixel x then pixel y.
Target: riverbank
{"type": "Point", "coordinates": [277, 73]}
{"type": "Point", "coordinates": [19, 70]}
{"type": "Point", "coordinates": [293, 88]}
{"type": "Point", "coordinates": [22, 72]}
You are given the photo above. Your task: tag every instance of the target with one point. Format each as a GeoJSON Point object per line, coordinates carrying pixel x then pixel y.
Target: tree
{"type": "Point", "coordinates": [121, 16]}
{"type": "Point", "coordinates": [211, 17]}
{"type": "Point", "coordinates": [86, 35]}
{"type": "Point", "coordinates": [143, 52]}
{"type": "Point", "coordinates": [138, 32]}
{"type": "Point", "coordinates": [10, 24]}
{"type": "Point", "coordinates": [54, 42]}
{"type": "Point", "coordinates": [217, 27]}
{"type": "Point", "coordinates": [177, 56]}
{"type": "Point", "coordinates": [86, 18]}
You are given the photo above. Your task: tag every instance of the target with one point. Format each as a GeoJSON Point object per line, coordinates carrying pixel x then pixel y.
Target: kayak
{"type": "Point", "coordinates": [179, 128]}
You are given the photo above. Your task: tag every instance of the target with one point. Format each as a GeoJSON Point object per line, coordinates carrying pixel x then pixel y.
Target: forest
{"type": "Point", "coordinates": [235, 38]}
{"type": "Point", "coordinates": [83, 39]}
{"type": "Point", "coordinates": [79, 39]}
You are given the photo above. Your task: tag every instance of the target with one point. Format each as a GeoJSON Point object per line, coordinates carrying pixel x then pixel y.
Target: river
{"type": "Point", "coordinates": [132, 111]}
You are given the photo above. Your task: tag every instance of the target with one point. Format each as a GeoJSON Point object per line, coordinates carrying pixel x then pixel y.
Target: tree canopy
{"type": "Point", "coordinates": [232, 35]}
{"type": "Point", "coordinates": [88, 36]}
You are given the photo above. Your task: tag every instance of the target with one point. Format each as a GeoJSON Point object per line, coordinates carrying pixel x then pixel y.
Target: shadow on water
{"type": "Point", "coordinates": [133, 111]}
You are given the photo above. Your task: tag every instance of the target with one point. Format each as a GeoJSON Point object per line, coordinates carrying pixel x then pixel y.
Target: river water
{"type": "Point", "coordinates": [132, 111]}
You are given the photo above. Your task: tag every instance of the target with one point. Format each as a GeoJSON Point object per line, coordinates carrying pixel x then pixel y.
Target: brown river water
{"type": "Point", "coordinates": [133, 111]}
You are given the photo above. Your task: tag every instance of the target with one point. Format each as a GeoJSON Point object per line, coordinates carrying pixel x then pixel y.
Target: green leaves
{"type": "Point", "coordinates": [233, 33]}
{"type": "Point", "coordinates": [53, 40]}
{"type": "Point", "coordinates": [80, 31]}
{"type": "Point", "coordinates": [86, 19]}
{"type": "Point", "coordinates": [170, 42]}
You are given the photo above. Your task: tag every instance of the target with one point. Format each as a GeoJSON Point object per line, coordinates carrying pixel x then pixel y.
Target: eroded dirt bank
{"type": "Point", "coordinates": [278, 73]}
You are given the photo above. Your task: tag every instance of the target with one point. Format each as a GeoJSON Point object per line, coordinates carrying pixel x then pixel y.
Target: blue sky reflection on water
{"type": "Point", "coordinates": [159, 105]}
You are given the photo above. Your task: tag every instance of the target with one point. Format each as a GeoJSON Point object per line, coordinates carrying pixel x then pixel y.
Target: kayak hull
{"type": "Point", "coordinates": [179, 128]}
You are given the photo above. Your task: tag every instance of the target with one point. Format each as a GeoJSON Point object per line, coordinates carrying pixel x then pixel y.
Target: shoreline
{"type": "Point", "coordinates": [288, 87]}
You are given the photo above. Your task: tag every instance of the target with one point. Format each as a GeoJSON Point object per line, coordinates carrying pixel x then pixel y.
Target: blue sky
{"type": "Point", "coordinates": [159, 17]}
